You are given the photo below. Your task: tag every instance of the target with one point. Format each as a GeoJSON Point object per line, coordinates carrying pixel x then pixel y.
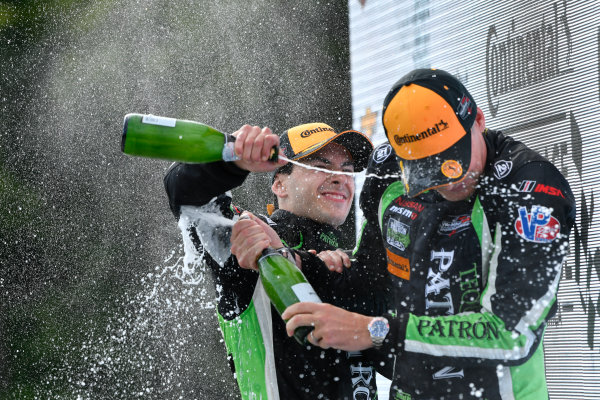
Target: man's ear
{"type": "Point", "coordinates": [279, 186]}
{"type": "Point", "coordinates": [480, 119]}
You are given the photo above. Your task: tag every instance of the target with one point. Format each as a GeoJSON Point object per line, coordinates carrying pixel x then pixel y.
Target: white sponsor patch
{"type": "Point", "coordinates": [457, 223]}
{"type": "Point", "coordinates": [502, 168]}
{"type": "Point", "coordinates": [382, 153]}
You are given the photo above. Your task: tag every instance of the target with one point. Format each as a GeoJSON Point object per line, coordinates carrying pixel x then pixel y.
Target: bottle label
{"type": "Point", "coordinates": [305, 292]}
{"type": "Point", "coordinates": [154, 120]}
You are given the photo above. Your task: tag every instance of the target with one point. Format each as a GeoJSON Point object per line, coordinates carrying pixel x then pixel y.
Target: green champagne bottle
{"type": "Point", "coordinates": [176, 140]}
{"type": "Point", "coordinates": [285, 285]}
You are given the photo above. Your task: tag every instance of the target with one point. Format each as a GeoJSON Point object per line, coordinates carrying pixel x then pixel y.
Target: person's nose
{"type": "Point", "coordinates": [338, 178]}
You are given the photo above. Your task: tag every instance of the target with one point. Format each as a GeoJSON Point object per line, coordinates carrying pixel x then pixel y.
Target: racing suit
{"type": "Point", "coordinates": [474, 281]}
{"type": "Point", "coordinates": [267, 363]}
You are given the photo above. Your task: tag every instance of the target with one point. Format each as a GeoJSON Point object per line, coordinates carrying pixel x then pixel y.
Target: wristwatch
{"type": "Point", "coordinates": [378, 328]}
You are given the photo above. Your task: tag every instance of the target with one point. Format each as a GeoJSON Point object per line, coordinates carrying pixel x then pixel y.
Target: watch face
{"type": "Point", "coordinates": [379, 328]}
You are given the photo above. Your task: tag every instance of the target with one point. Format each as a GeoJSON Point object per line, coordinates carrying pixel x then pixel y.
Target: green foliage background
{"type": "Point", "coordinates": [88, 306]}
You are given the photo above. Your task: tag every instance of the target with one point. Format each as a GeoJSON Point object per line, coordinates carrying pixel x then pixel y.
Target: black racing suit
{"type": "Point", "coordinates": [268, 363]}
{"type": "Point", "coordinates": [474, 281]}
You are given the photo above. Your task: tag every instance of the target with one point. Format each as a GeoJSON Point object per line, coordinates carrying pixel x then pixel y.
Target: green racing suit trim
{"type": "Point", "coordinates": [241, 339]}
{"type": "Point", "coordinates": [393, 191]}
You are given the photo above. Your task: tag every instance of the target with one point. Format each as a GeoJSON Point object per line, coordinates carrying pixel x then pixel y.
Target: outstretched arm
{"type": "Point", "coordinates": [197, 184]}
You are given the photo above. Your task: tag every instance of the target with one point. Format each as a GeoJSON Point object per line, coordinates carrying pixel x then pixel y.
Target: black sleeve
{"type": "Point", "coordinates": [536, 220]}
{"type": "Point", "coordinates": [383, 174]}
{"type": "Point", "coordinates": [382, 171]}
{"type": "Point", "coordinates": [197, 184]}
{"type": "Point", "coordinates": [234, 285]}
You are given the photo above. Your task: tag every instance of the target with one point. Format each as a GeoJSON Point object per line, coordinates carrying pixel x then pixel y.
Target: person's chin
{"type": "Point", "coordinates": [335, 218]}
{"type": "Point", "coordinates": [456, 195]}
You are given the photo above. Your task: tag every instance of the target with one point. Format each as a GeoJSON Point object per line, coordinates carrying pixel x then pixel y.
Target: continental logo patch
{"type": "Point", "coordinates": [305, 137]}
{"type": "Point", "coordinates": [432, 130]}
{"type": "Point", "coordinates": [398, 265]}
{"type": "Point", "coordinates": [309, 132]}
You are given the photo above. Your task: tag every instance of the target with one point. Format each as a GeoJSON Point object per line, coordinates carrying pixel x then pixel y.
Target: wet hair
{"type": "Point", "coordinates": [285, 170]}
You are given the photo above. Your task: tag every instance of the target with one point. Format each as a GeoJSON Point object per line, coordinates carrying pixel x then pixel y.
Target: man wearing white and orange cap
{"type": "Point", "coordinates": [472, 237]}
{"type": "Point", "coordinates": [313, 204]}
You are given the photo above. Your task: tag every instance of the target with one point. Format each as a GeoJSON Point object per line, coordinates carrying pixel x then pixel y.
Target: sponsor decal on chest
{"type": "Point", "coordinates": [398, 266]}
{"type": "Point", "coordinates": [399, 395]}
{"type": "Point", "coordinates": [330, 238]}
{"type": "Point", "coordinates": [413, 205]}
{"type": "Point", "coordinates": [437, 289]}
{"type": "Point", "coordinates": [397, 234]}
{"type": "Point", "coordinates": [406, 208]}
{"type": "Point", "coordinates": [404, 212]}
{"type": "Point", "coordinates": [479, 329]}
{"type": "Point", "coordinates": [470, 291]}
{"type": "Point", "coordinates": [455, 224]}
{"type": "Point", "coordinates": [538, 225]}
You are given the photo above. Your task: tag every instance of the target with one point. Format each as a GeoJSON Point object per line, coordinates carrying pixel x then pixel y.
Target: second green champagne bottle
{"type": "Point", "coordinates": [285, 285]}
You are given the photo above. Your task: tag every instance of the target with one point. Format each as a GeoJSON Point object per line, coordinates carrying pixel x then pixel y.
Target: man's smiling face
{"type": "Point", "coordinates": [318, 195]}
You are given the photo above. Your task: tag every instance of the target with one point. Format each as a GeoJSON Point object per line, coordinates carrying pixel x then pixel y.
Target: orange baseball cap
{"type": "Point", "coordinates": [427, 117]}
{"type": "Point", "coordinates": [303, 140]}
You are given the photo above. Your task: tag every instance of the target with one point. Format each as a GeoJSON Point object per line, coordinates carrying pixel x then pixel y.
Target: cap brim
{"type": "Point", "coordinates": [358, 145]}
{"type": "Point", "coordinates": [449, 166]}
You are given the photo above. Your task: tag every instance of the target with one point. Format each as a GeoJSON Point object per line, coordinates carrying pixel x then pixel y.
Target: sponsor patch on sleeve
{"type": "Point", "coordinates": [382, 153]}
{"type": "Point", "coordinates": [538, 225]}
{"type": "Point", "coordinates": [502, 168]}
{"type": "Point", "coordinates": [398, 265]}
{"type": "Point", "coordinates": [533, 186]}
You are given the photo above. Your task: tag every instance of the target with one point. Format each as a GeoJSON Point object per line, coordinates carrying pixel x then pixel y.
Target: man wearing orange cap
{"type": "Point", "coordinates": [474, 236]}
{"type": "Point", "coordinates": [268, 364]}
